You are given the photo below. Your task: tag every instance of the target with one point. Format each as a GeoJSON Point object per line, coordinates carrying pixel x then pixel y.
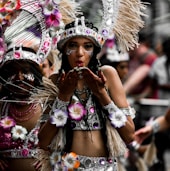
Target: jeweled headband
{"type": "Point", "coordinates": [35, 16]}
{"type": "Point", "coordinates": [21, 53]}
{"type": "Point", "coordinates": [123, 18]}
{"type": "Point", "coordinates": [80, 29]}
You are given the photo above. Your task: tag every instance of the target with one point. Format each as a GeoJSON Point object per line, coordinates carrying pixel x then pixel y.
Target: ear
{"type": "Point", "coordinates": [52, 68]}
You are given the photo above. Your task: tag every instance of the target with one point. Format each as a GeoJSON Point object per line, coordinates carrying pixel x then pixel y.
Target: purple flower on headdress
{"type": "Point", "coordinates": [51, 13]}
{"type": "Point", "coordinates": [49, 8]}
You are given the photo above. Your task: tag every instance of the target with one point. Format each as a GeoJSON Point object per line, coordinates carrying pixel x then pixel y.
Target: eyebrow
{"type": "Point", "coordinates": [73, 41]}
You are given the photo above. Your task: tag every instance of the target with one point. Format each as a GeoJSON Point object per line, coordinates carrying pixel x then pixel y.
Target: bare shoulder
{"type": "Point", "coordinates": [108, 70]}
{"type": "Point", "coordinates": [111, 75]}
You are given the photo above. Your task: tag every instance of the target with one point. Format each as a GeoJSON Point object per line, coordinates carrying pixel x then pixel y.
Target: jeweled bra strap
{"type": "Point", "coordinates": [91, 120]}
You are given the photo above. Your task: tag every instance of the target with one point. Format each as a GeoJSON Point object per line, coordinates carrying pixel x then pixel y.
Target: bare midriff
{"type": "Point", "coordinates": [89, 143]}
{"type": "Point", "coordinates": [21, 164]}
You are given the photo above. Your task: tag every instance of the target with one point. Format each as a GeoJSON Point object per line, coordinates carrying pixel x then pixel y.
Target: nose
{"type": "Point", "coordinates": [80, 51]}
{"type": "Point", "coordinates": [20, 76]}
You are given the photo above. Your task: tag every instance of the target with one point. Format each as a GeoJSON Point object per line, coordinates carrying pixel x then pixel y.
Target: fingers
{"type": "Point", "coordinates": [3, 165]}
{"type": "Point", "coordinates": [37, 165]}
{"type": "Point", "coordinates": [101, 75]}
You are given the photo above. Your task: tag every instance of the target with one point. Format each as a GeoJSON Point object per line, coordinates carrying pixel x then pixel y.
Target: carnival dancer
{"type": "Point", "coordinates": [20, 75]}
{"type": "Point", "coordinates": [91, 120]}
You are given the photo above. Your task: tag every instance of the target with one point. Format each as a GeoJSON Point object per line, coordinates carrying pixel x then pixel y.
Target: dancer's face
{"type": "Point", "coordinates": [20, 82]}
{"type": "Point", "coordinates": [79, 51]}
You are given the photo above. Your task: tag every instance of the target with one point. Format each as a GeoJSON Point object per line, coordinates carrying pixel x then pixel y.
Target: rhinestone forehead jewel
{"type": "Point", "coordinates": [21, 54]}
{"type": "Point", "coordinates": [123, 18]}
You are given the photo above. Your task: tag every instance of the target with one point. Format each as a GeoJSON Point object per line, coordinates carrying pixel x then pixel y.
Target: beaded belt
{"type": "Point", "coordinates": [19, 153]}
{"type": "Point", "coordinates": [97, 163]}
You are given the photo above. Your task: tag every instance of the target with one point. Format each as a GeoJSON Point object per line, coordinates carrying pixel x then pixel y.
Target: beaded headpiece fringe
{"type": "Point", "coordinates": [129, 22]}
{"type": "Point", "coordinates": [122, 18]}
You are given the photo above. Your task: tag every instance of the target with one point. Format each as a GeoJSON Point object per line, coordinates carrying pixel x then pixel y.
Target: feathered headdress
{"type": "Point", "coordinates": [26, 22]}
{"type": "Point", "coordinates": [123, 18]}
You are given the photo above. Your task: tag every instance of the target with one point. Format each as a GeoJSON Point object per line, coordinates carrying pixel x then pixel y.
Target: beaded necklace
{"type": "Point", "coordinates": [24, 115]}
{"type": "Point", "coordinates": [85, 91]}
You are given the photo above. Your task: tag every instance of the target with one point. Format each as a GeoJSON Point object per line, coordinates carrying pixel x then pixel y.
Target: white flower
{"type": "Point", "coordinates": [18, 132]}
{"type": "Point", "coordinates": [71, 161]}
{"type": "Point", "coordinates": [59, 118]}
{"type": "Point", "coordinates": [117, 118]}
{"type": "Point", "coordinates": [55, 158]}
{"type": "Point", "coordinates": [49, 8]}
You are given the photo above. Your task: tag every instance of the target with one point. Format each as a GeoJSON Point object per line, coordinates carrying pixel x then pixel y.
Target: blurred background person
{"type": "Point", "coordinates": [19, 143]}
{"type": "Point", "coordinates": [160, 71]}
{"type": "Point", "coordinates": [160, 79]}
{"type": "Point", "coordinates": [110, 55]}
{"type": "Point", "coordinates": [51, 64]}
{"type": "Point", "coordinates": [137, 85]}
{"type": "Point", "coordinates": [141, 60]}
{"type": "Point", "coordinates": [159, 125]}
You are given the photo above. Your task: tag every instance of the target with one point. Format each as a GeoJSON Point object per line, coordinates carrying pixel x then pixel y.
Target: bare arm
{"type": "Point", "coordinates": [46, 135]}
{"type": "Point", "coordinates": [118, 96]}
{"type": "Point", "coordinates": [66, 87]}
{"type": "Point", "coordinates": [113, 83]}
{"type": "Point", "coordinates": [136, 78]}
{"type": "Point", "coordinates": [163, 124]}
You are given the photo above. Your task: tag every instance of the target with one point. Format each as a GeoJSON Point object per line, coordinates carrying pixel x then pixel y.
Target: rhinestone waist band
{"type": "Point", "coordinates": [19, 153]}
{"type": "Point", "coordinates": [96, 163]}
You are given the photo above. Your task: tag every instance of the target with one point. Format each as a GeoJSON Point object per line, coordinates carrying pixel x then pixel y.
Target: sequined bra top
{"type": "Point", "coordinates": [15, 140]}
{"type": "Point", "coordinates": [91, 121]}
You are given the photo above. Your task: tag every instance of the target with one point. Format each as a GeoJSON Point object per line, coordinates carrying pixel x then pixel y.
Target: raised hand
{"type": "Point", "coordinates": [67, 84]}
{"type": "Point", "coordinates": [143, 133]}
{"type": "Point", "coordinates": [3, 165]}
{"type": "Point", "coordinates": [95, 82]}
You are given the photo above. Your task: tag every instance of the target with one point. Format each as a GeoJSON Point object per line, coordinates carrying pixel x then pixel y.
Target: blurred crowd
{"type": "Point", "coordinates": [145, 74]}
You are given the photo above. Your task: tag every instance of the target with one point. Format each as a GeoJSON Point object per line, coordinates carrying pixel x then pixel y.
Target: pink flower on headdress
{"type": "Point", "coordinates": [6, 10]}
{"type": "Point", "coordinates": [110, 43]}
{"type": "Point", "coordinates": [51, 13]}
{"type": "Point", "coordinates": [53, 19]}
{"type": "Point", "coordinates": [17, 55]}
